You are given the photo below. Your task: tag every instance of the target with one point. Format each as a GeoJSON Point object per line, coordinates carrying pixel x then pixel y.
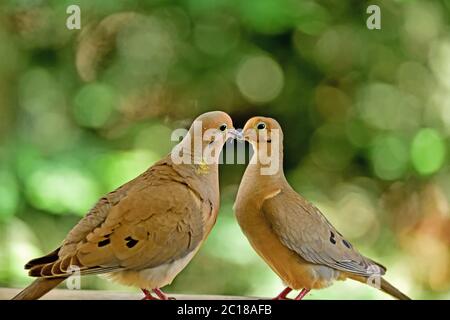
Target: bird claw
{"type": "Point", "coordinates": [281, 298]}
{"type": "Point", "coordinates": [283, 294]}
{"type": "Point", "coordinates": [149, 298]}
{"type": "Point", "coordinates": [148, 295]}
{"type": "Point", "coordinates": [302, 294]}
{"type": "Point", "coordinates": [161, 295]}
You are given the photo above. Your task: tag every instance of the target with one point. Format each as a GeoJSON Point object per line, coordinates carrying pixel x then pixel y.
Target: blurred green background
{"type": "Point", "coordinates": [366, 115]}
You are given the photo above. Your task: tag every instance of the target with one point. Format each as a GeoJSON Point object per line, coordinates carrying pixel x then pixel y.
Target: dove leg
{"type": "Point", "coordinates": [148, 295]}
{"type": "Point", "coordinates": [283, 294]}
{"type": "Point", "coordinates": [162, 295]}
{"type": "Point", "coordinates": [302, 294]}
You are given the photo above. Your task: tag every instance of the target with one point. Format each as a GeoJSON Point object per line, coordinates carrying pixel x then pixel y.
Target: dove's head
{"type": "Point", "coordinates": [215, 128]}
{"type": "Point", "coordinates": [207, 135]}
{"type": "Point", "coordinates": [262, 131]}
{"type": "Point", "coordinates": [266, 137]}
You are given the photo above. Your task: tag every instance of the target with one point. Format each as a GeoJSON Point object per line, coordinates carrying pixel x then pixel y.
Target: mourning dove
{"type": "Point", "coordinates": [288, 232]}
{"type": "Point", "coordinates": [146, 231]}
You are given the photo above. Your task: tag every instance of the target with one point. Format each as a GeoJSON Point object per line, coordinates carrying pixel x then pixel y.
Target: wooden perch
{"type": "Point", "coordinates": [64, 294]}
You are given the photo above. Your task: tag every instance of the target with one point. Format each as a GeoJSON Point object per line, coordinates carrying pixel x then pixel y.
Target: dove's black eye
{"type": "Point", "coordinates": [261, 126]}
{"type": "Point", "coordinates": [223, 127]}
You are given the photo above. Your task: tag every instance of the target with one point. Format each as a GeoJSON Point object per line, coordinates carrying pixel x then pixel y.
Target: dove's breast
{"type": "Point", "coordinates": [163, 275]}
{"type": "Point", "coordinates": [295, 272]}
{"type": "Point", "coordinates": [156, 277]}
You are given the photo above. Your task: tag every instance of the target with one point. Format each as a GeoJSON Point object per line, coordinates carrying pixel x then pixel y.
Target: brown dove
{"type": "Point", "coordinates": [146, 231]}
{"type": "Point", "coordinates": [289, 233]}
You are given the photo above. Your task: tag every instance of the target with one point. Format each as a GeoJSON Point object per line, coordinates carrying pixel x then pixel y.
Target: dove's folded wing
{"type": "Point", "coordinates": [140, 225]}
{"type": "Point", "coordinates": [302, 228]}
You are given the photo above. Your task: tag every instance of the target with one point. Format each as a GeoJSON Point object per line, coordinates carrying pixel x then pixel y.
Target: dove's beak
{"type": "Point", "coordinates": [234, 134]}
{"type": "Point", "coordinates": [240, 135]}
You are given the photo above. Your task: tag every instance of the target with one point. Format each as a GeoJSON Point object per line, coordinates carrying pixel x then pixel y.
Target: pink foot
{"type": "Point", "coordinates": [302, 294]}
{"type": "Point", "coordinates": [162, 295]}
{"type": "Point", "coordinates": [148, 295]}
{"type": "Point", "coordinates": [283, 294]}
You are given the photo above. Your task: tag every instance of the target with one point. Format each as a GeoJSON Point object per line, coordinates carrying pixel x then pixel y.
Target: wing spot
{"type": "Point", "coordinates": [103, 243]}
{"type": "Point", "coordinates": [346, 243]}
{"type": "Point", "coordinates": [332, 239]}
{"type": "Point", "coordinates": [131, 242]}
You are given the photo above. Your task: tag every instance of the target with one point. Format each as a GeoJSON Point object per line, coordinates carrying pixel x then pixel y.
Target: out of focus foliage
{"type": "Point", "coordinates": [366, 115]}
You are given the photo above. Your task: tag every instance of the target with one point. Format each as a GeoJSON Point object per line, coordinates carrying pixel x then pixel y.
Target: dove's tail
{"type": "Point", "coordinates": [384, 286]}
{"type": "Point", "coordinates": [393, 291]}
{"type": "Point", "coordinates": [38, 288]}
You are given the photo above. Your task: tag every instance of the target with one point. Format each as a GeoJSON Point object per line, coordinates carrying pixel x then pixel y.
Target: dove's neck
{"type": "Point", "coordinates": [266, 165]}
{"type": "Point", "coordinates": [193, 150]}
{"type": "Point", "coordinates": [258, 184]}
{"type": "Point", "coordinates": [189, 160]}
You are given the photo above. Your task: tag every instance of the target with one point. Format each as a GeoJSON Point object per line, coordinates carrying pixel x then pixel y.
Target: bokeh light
{"type": "Point", "coordinates": [94, 104]}
{"type": "Point", "coordinates": [389, 156]}
{"type": "Point", "coordinates": [428, 151]}
{"type": "Point", "coordinates": [9, 195]}
{"type": "Point", "coordinates": [62, 189]}
{"type": "Point", "coordinates": [260, 79]}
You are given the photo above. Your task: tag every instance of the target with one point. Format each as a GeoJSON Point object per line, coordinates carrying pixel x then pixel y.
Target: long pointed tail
{"type": "Point", "coordinates": [38, 288]}
{"type": "Point", "coordinates": [385, 286]}
{"type": "Point", "coordinates": [393, 291]}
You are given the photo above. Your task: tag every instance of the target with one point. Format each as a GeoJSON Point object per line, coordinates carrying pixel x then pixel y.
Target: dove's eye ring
{"type": "Point", "coordinates": [261, 126]}
{"type": "Point", "coordinates": [223, 127]}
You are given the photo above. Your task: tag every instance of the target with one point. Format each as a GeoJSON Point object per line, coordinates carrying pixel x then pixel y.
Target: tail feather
{"type": "Point", "coordinates": [385, 286]}
{"type": "Point", "coordinates": [38, 288]}
{"type": "Point", "coordinates": [49, 258]}
{"type": "Point", "coordinates": [393, 291]}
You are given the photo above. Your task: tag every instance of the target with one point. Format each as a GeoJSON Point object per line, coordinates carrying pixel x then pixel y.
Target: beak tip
{"type": "Point", "coordinates": [238, 134]}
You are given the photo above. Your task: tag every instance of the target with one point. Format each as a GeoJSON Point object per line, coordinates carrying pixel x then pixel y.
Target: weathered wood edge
{"type": "Point", "coordinates": [65, 294]}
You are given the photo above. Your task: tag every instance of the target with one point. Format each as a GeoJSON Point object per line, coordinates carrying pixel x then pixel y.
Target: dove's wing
{"type": "Point", "coordinates": [152, 220]}
{"type": "Point", "coordinates": [302, 228]}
